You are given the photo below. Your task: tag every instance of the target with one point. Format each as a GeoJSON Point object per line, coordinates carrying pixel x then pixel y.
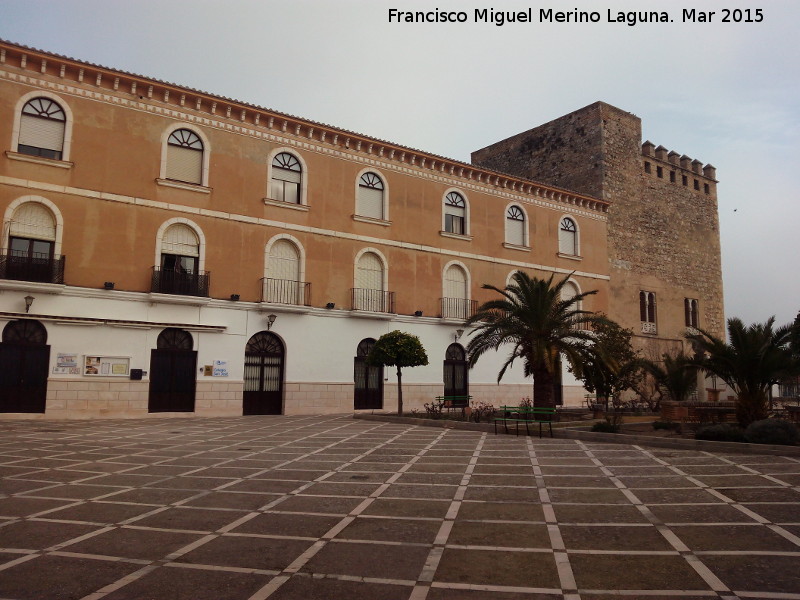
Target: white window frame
{"type": "Point", "coordinates": [67, 148]}
{"type": "Point", "coordinates": [525, 231]}
{"type": "Point", "coordinates": [301, 269]}
{"type": "Point", "coordinates": [382, 177]}
{"type": "Point", "coordinates": [467, 216]}
{"type": "Point", "coordinates": [303, 178]}
{"type": "Point", "coordinates": [52, 208]}
{"type": "Point", "coordinates": [384, 264]}
{"type": "Point", "coordinates": [162, 177]}
{"type": "Point", "coordinates": [201, 259]}
{"type": "Point", "coordinates": [577, 254]}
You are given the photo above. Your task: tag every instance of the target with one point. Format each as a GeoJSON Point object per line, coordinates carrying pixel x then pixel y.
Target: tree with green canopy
{"type": "Point", "coordinates": [539, 324]}
{"type": "Point", "coordinates": [398, 349]}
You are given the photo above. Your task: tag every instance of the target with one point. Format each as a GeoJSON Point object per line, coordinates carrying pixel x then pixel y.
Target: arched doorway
{"type": "Point", "coordinates": [368, 380]}
{"type": "Point", "coordinates": [263, 375]}
{"type": "Point", "coordinates": [456, 381]}
{"type": "Point", "coordinates": [173, 364]}
{"type": "Point", "coordinates": [25, 357]}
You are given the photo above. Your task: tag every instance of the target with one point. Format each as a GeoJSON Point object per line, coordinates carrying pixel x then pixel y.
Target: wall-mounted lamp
{"type": "Point", "coordinates": [330, 305]}
{"type": "Point", "coordinates": [417, 313]}
{"type": "Point", "coordinates": [108, 285]}
{"type": "Point", "coordinates": [270, 321]}
{"type": "Point", "coordinates": [458, 334]}
{"type": "Point", "coordinates": [28, 301]}
{"type": "Point", "coordinates": [234, 297]}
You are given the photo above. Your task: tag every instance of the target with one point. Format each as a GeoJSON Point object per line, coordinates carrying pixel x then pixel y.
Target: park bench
{"type": "Point", "coordinates": [527, 415]}
{"type": "Point", "coordinates": [451, 403]}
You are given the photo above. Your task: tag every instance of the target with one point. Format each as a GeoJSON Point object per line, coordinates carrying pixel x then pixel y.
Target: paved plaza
{"type": "Point", "coordinates": [334, 508]}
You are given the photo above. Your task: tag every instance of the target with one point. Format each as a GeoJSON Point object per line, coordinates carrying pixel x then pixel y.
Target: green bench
{"type": "Point", "coordinates": [525, 414]}
{"type": "Point", "coordinates": [451, 403]}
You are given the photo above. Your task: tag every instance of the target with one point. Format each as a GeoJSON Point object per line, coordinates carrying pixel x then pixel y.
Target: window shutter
{"type": "Point", "coordinates": [566, 242]}
{"type": "Point", "coordinates": [32, 220]}
{"type": "Point", "coordinates": [455, 283]}
{"type": "Point", "coordinates": [41, 133]}
{"type": "Point", "coordinates": [515, 232]}
{"type": "Point", "coordinates": [184, 164]}
{"type": "Point", "coordinates": [180, 240]}
{"type": "Point", "coordinates": [284, 261]}
{"type": "Point", "coordinates": [370, 202]}
{"type": "Point", "coordinates": [369, 273]}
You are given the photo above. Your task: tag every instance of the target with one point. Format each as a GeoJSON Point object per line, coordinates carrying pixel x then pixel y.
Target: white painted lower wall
{"type": "Point", "coordinates": [320, 346]}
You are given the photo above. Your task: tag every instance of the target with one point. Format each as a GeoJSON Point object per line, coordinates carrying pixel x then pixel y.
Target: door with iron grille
{"type": "Point", "coordinates": [456, 382]}
{"type": "Point", "coordinates": [263, 375]}
{"type": "Point", "coordinates": [25, 357]}
{"type": "Point", "coordinates": [173, 365]}
{"type": "Point", "coordinates": [368, 380]}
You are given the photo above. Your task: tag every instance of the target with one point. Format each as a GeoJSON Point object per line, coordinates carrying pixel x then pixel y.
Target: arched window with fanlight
{"type": "Point", "coordinates": [455, 214]}
{"type": "Point", "coordinates": [42, 127]}
{"type": "Point", "coordinates": [185, 160]}
{"type": "Point", "coordinates": [371, 196]}
{"type": "Point", "coordinates": [32, 240]}
{"type": "Point", "coordinates": [179, 263]}
{"type": "Point", "coordinates": [286, 178]}
{"type": "Point", "coordinates": [515, 226]}
{"type": "Point", "coordinates": [568, 237]}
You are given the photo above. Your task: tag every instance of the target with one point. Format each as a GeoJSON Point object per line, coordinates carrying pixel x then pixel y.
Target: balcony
{"type": "Point", "coordinates": [40, 268]}
{"type": "Point", "coordinates": [372, 300]}
{"type": "Point", "coordinates": [286, 291]}
{"type": "Point", "coordinates": [458, 308]}
{"type": "Point", "coordinates": [180, 283]}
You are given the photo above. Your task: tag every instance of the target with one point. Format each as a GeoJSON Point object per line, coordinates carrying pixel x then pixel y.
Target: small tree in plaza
{"type": "Point", "coordinates": [398, 349]}
{"type": "Point", "coordinates": [675, 375]}
{"type": "Point", "coordinates": [538, 325]}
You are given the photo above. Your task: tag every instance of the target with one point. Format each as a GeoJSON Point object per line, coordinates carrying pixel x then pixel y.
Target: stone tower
{"type": "Point", "coordinates": [663, 227]}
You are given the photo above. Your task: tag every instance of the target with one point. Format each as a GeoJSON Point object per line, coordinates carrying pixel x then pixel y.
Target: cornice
{"type": "Point", "coordinates": [249, 119]}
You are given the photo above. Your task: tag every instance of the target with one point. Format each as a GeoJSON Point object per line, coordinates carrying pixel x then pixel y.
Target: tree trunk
{"type": "Point", "coordinates": [751, 406]}
{"type": "Point", "coordinates": [543, 387]}
{"type": "Point", "coordinates": [399, 392]}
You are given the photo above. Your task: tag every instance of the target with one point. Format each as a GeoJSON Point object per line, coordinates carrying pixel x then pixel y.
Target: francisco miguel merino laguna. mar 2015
{"type": "Point", "coordinates": [548, 15]}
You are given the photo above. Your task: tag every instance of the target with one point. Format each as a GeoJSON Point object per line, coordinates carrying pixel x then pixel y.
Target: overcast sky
{"type": "Point", "coordinates": [724, 93]}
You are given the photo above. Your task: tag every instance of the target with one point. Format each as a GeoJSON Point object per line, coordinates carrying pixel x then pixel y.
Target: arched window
{"type": "Point", "coordinates": [568, 291]}
{"type": "Point", "coordinates": [41, 129]}
{"type": "Point", "coordinates": [369, 291]}
{"type": "Point", "coordinates": [179, 263]}
{"type": "Point", "coordinates": [25, 331]}
{"type": "Point", "coordinates": [515, 226]}
{"type": "Point", "coordinates": [455, 302]}
{"type": "Point", "coordinates": [455, 214]}
{"type": "Point", "coordinates": [568, 237]}
{"type": "Point", "coordinates": [691, 312]}
{"type": "Point", "coordinates": [370, 200]}
{"type": "Point", "coordinates": [31, 245]}
{"type": "Point", "coordinates": [173, 338]}
{"type": "Point", "coordinates": [185, 157]}
{"type": "Point", "coordinates": [286, 178]}
{"type": "Point", "coordinates": [282, 283]}
{"type": "Point", "coordinates": [647, 311]}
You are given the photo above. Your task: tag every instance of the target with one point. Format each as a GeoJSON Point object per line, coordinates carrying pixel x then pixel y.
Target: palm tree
{"type": "Point", "coordinates": [754, 359]}
{"type": "Point", "coordinates": [676, 375]}
{"type": "Point", "coordinates": [539, 325]}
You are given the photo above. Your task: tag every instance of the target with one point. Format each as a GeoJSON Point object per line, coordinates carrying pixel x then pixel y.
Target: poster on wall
{"type": "Point", "coordinates": [66, 364]}
{"type": "Point", "coordinates": [220, 368]}
{"type": "Point", "coordinates": [106, 366]}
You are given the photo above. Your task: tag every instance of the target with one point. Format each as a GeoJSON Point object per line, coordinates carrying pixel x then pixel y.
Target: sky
{"type": "Point", "coordinates": [725, 93]}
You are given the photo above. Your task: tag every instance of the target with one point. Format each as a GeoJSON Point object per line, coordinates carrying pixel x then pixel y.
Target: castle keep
{"type": "Point", "coordinates": [663, 229]}
{"type": "Point", "coordinates": [168, 251]}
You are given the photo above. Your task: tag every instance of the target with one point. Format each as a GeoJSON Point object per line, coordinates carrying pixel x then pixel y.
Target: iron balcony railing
{"type": "Point", "coordinates": [40, 268]}
{"type": "Point", "coordinates": [286, 291]}
{"type": "Point", "coordinates": [372, 300]}
{"type": "Point", "coordinates": [458, 308]}
{"type": "Point", "coordinates": [169, 281]}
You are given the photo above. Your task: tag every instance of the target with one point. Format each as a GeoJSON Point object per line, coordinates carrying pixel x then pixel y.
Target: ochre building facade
{"type": "Point", "coordinates": [169, 252]}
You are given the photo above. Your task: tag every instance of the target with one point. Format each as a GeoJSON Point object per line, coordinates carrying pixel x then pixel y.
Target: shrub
{"type": "Point", "coordinates": [671, 425]}
{"type": "Point", "coordinates": [772, 431]}
{"type": "Point", "coordinates": [434, 410]}
{"type": "Point", "coordinates": [723, 432]}
{"type": "Point", "coordinates": [605, 427]}
{"type": "Point", "coordinates": [481, 410]}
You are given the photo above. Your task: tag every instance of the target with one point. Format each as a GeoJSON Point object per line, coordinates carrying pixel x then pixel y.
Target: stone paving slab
{"type": "Point", "coordinates": [293, 508]}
